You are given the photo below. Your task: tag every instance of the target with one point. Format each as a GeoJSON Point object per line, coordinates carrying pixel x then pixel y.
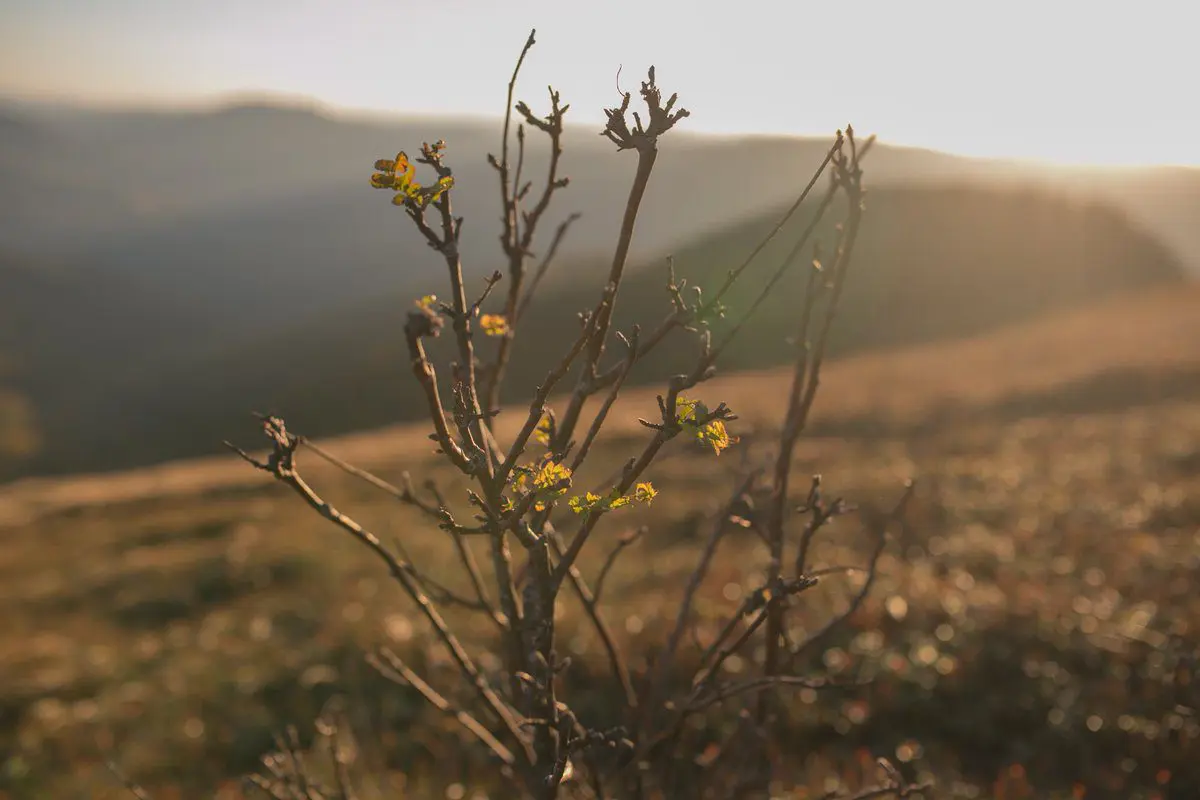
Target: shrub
{"type": "Point", "coordinates": [545, 736]}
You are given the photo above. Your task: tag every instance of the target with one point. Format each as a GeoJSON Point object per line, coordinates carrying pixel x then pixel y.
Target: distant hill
{"type": "Point", "coordinates": [1110, 355]}
{"type": "Point", "coordinates": [195, 250]}
{"type": "Point", "coordinates": [254, 214]}
{"type": "Point", "coordinates": [1165, 200]}
{"type": "Point", "coordinates": [933, 264]}
{"type": "Point", "coordinates": [215, 207]}
{"type": "Point", "coordinates": [63, 333]}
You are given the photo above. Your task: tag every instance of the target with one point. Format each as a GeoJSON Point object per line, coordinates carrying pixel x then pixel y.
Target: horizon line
{"type": "Point", "coordinates": [215, 102]}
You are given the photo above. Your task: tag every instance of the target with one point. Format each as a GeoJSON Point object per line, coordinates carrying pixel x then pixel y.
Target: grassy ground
{"type": "Point", "coordinates": [1017, 637]}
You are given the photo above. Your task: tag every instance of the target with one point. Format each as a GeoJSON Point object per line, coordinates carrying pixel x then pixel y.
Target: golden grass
{"type": "Point", "coordinates": [179, 613]}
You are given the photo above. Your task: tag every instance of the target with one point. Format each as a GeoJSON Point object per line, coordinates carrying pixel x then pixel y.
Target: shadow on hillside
{"type": "Point", "coordinates": [934, 263]}
{"type": "Point", "coordinates": [1111, 391]}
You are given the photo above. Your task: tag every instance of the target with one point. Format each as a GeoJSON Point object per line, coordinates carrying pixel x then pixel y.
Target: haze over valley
{"type": "Point", "coordinates": [167, 271]}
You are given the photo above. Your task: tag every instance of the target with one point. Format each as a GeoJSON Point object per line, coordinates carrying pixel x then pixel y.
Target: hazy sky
{"type": "Point", "coordinates": [1099, 81]}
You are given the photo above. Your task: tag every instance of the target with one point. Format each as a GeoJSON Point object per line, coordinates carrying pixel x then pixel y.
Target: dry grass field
{"type": "Point", "coordinates": [1024, 639]}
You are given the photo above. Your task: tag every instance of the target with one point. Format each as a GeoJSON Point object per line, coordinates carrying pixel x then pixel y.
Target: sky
{"type": "Point", "coordinates": [1100, 82]}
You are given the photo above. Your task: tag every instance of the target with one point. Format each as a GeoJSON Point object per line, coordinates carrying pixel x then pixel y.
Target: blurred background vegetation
{"type": "Point", "coordinates": [179, 281]}
{"type": "Point", "coordinates": [1022, 338]}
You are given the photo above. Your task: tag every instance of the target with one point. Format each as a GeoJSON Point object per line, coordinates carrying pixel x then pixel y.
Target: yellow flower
{"type": "Point", "coordinates": [589, 502]}
{"type": "Point", "coordinates": [645, 492]}
{"type": "Point", "coordinates": [493, 324]}
{"type": "Point", "coordinates": [541, 434]}
{"type": "Point", "coordinates": [585, 503]}
{"type": "Point", "coordinates": [713, 434]}
{"type": "Point", "coordinates": [544, 481]}
{"type": "Point", "coordinates": [549, 476]}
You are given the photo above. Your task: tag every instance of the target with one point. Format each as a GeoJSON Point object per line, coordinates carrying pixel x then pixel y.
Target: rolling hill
{"type": "Point", "coordinates": [1108, 356]}
{"type": "Point", "coordinates": [210, 261]}
{"type": "Point", "coordinates": [64, 332]}
{"type": "Point", "coordinates": [1049, 552]}
{"type": "Point", "coordinates": [218, 207]}
{"type": "Point", "coordinates": [932, 264]}
{"type": "Point", "coordinates": [212, 206]}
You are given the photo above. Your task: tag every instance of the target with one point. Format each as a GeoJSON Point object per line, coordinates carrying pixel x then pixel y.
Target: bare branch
{"type": "Point", "coordinates": [130, 785]}
{"type": "Point", "coordinates": [543, 267]}
{"type": "Point", "coordinates": [397, 670]}
{"type": "Point", "coordinates": [602, 414]}
{"type": "Point", "coordinates": [880, 534]}
{"type": "Point", "coordinates": [418, 326]}
{"type": "Point", "coordinates": [537, 406]}
{"type": "Point", "coordinates": [436, 512]}
{"type": "Point", "coordinates": [587, 599]}
{"type": "Point", "coordinates": [782, 270]}
{"type": "Point", "coordinates": [645, 141]}
{"type": "Point", "coordinates": [329, 728]}
{"type": "Point", "coordinates": [281, 464]}
{"type": "Point", "coordinates": [805, 379]}
{"type": "Point", "coordinates": [681, 317]}
{"type": "Point", "coordinates": [506, 192]}
{"type": "Point", "coordinates": [758, 685]}
{"type": "Point", "coordinates": [492, 280]}
{"type": "Point", "coordinates": [720, 524]}
{"type": "Point", "coordinates": [520, 227]}
{"type": "Point", "coordinates": [737, 271]}
{"type": "Point", "coordinates": [623, 541]}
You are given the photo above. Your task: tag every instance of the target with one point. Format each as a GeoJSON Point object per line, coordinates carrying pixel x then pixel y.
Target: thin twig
{"type": "Point", "coordinates": [880, 534]}
{"type": "Point", "coordinates": [409, 496]}
{"type": "Point", "coordinates": [543, 266]}
{"type": "Point", "coordinates": [623, 542]}
{"type": "Point", "coordinates": [594, 430]}
{"type": "Point", "coordinates": [281, 464]}
{"type": "Point", "coordinates": [400, 672]}
{"type": "Point", "coordinates": [720, 525]}
{"type": "Point", "coordinates": [644, 140]}
{"type": "Point", "coordinates": [587, 599]}
{"type": "Point", "coordinates": [805, 379]}
{"type": "Point", "coordinates": [130, 785]}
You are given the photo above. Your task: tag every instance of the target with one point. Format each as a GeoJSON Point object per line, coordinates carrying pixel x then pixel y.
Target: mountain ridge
{"type": "Point", "coordinates": [220, 230]}
{"type": "Point", "coordinates": [933, 264]}
{"type": "Point", "coordinates": [971, 375]}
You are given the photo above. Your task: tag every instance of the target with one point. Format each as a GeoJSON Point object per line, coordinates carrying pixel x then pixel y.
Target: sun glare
{"type": "Point", "coordinates": [1066, 82]}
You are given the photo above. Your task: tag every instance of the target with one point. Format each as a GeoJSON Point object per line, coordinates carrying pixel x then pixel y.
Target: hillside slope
{"type": "Point", "coordinates": [932, 264]}
{"type": "Point", "coordinates": [237, 252]}
{"type": "Point", "coordinates": [1047, 553]}
{"type": "Point", "coordinates": [1109, 355]}
{"type": "Point", "coordinates": [256, 214]}
{"type": "Point", "coordinates": [63, 333]}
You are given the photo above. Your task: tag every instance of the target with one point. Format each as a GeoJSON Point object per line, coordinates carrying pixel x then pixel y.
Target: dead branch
{"type": "Point", "coordinates": [391, 666]}
{"type": "Point", "coordinates": [282, 465]}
